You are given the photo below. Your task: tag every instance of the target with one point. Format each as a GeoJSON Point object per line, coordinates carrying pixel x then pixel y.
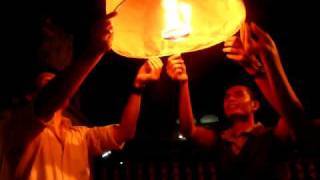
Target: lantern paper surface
{"type": "Point", "coordinates": [147, 28]}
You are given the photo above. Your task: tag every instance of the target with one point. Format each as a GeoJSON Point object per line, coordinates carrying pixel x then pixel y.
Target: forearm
{"type": "Point", "coordinates": [130, 115]}
{"type": "Point", "coordinates": [185, 110]}
{"type": "Point", "coordinates": [286, 98]}
{"type": "Point", "coordinates": [290, 107]}
{"type": "Point", "coordinates": [265, 88]}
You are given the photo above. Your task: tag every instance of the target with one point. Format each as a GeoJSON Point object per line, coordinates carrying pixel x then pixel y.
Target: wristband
{"type": "Point", "coordinates": [136, 90]}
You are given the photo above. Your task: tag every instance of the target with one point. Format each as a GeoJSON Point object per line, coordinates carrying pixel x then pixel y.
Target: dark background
{"type": "Point", "coordinates": [292, 24]}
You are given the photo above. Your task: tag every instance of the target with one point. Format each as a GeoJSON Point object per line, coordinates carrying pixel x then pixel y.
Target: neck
{"type": "Point", "coordinates": [241, 124]}
{"type": "Point", "coordinates": [56, 120]}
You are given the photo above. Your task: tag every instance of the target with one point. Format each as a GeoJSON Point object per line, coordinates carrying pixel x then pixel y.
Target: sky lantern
{"type": "Point", "coordinates": [149, 28]}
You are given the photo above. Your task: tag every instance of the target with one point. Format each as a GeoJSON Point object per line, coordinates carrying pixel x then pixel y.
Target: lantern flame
{"type": "Point", "coordinates": [177, 18]}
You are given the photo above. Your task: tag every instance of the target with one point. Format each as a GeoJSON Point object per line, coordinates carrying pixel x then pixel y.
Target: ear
{"type": "Point", "coordinates": [255, 105]}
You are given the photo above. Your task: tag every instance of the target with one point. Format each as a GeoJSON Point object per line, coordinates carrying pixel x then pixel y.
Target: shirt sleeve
{"type": "Point", "coordinates": [101, 139]}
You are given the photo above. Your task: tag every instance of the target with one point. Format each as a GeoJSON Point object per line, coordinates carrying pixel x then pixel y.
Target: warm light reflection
{"type": "Point", "coordinates": [156, 28]}
{"type": "Point", "coordinates": [177, 20]}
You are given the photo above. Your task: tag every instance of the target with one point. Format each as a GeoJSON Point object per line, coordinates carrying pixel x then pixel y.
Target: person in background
{"type": "Point", "coordinates": [38, 142]}
{"type": "Point", "coordinates": [247, 149]}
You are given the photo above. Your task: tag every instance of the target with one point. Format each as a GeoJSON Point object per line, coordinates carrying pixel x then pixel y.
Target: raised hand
{"type": "Point", "coordinates": [176, 69]}
{"type": "Point", "coordinates": [149, 71]}
{"type": "Point", "coordinates": [243, 50]}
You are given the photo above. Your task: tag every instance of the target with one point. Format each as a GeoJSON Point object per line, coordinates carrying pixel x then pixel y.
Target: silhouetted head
{"type": "Point", "coordinates": [239, 101]}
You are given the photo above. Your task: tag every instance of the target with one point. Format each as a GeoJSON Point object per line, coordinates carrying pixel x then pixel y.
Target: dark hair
{"type": "Point", "coordinates": [247, 87]}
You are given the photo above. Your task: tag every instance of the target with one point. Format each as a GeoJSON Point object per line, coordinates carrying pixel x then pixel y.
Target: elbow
{"type": "Point", "coordinates": [186, 131]}
{"type": "Point", "coordinates": [128, 134]}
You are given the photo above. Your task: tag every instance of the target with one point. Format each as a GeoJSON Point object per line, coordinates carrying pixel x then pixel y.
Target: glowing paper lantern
{"type": "Point", "coordinates": [146, 28]}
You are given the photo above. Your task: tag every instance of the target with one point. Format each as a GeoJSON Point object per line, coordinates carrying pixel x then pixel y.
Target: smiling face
{"type": "Point", "coordinates": [239, 102]}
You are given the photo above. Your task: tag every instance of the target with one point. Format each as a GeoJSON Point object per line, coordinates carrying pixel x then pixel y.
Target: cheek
{"type": "Point", "coordinates": [247, 107]}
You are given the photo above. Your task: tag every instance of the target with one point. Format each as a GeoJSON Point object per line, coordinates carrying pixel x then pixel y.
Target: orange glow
{"type": "Point", "coordinates": [148, 28]}
{"type": "Point", "coordinates": [177, 20]}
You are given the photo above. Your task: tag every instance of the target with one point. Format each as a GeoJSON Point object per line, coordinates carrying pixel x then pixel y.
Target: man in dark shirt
{"type": "Point", "coordinates": [246, 150]}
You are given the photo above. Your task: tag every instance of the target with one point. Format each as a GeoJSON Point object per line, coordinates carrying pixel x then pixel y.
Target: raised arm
{"type": "Point", "coordinates": [149, 71]}
{"type": "Point", "coordinates": [258, 54]}
{"type": "Point", "coordinates": [290, 108]}
{"type": "Point", "coordinates": [176, 69]}
{"type": "Point", "coordinates": [57, 93]}
{"type": "Point", "coordinates": [114, 136]}
{"type": "Point", "coordinates": [237, 49]}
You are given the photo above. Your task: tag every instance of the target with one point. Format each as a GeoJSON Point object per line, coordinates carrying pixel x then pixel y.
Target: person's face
{"type": "Point", "coordinates": [238, 102]}
{"type": "Point", "coordinates": [56, 47]}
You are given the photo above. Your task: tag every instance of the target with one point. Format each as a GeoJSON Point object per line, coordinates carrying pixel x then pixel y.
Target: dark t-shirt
{"type": "Point", "coordinates": [263, 156]}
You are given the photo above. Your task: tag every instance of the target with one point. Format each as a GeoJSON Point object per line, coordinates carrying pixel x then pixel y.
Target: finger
{"type": "Point", "coordinates": [156, 67]}
{"type": "Point", "coordinates": [145, 77]}
{"type": "Point", "coordinates": [171, 65]}
{"type": "Point", "coordinates": [172, 62]}
{"type": "Point", "coordinates": [259, 32]}
{"type": "Point", "coordinates": [152, 64]}
{"type": "Point", "coordinates": [158, 63]}
{"type": "Point", "coordinates": [174, 57]}
{"type": "Point", "coordinates": [111, 15]}
{"type": "Point", "coordinates": [242, 30]}
{"type": "Point", "coordinates": [109, 26]}
{"type": "Point", "coordinates": [232, 50]}
{"type": "Point", "coordinates": [153, 61]}
{"type": "Point", "coordinates": [109, 30]}
{"type": "Point", "coordinates": [235, 57]}
{"type": "Point", "coordinates": [245, 36]}
{"type": "Point", "coordinates": [236, 42]}
{"type": "Point", "coordinates": [230, 41]}
{"type": "Point", "coordinates": [177, 61]}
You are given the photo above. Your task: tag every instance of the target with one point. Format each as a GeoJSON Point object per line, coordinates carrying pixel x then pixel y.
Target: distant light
{"type": "Point", "coordinates": [181, 137]}
{"type": "Point", "coordinates": [121, 163]}
{"type": "Point", "coordinates": [106, 154]}
{"type": "Point", "coordinates": [210, 118]}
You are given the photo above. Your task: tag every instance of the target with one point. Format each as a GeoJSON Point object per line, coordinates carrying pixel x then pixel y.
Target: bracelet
{"type": "Point", "coordinates": [136, 90]}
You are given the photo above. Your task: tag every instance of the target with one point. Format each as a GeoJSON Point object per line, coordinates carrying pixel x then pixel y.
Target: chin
{"type": "Point", "coordinates": [237, 116]}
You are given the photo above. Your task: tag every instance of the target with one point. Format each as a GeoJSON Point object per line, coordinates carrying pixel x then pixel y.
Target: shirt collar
{"type": "Point", "coordinates": [229, 135]}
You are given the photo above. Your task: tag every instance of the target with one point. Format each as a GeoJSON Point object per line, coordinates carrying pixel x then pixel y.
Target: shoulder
{"type": "Point", "coordinates": [260, 130]}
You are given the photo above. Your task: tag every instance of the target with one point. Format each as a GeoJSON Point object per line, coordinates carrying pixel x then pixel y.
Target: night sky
{"type": "Point", "coordinates": [105, 92]}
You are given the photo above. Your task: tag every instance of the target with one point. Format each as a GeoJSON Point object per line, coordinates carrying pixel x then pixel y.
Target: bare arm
{"type": "Point", "coordinates": [176, 69]}
{"type": "Point", "coordinates": [272, 82]}
{"type": "Point", "coordinates": [150, 71]}
{"type": "Point", "coordinates": [58, 92]}
{"type": "Point", "coordinates": [237, 49]}
{"type": "Point", "coordinates": [290, 108]}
